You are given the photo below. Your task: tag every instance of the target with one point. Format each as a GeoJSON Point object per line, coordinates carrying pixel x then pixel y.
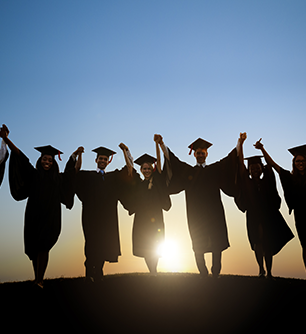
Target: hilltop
{"type": "Point", "coordinates": [168, 303]}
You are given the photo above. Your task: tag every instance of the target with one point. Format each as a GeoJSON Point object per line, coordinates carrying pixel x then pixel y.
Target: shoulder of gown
{"type": "Point", "coordinates": [159, 181]}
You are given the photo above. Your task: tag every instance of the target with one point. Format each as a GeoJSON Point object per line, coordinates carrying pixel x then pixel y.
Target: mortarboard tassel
{"type": "Point", "coordinates": [191, 148]}
{"type": "Point", "coordinates": [59, 156]}
{"type": "Point", "coordinates": [111, 159]}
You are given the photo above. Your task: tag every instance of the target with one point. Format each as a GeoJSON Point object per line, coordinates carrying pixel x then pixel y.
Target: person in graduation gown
{"type": "Point", "coordinates": [45, 188]}
{"type": "Point", "coordinates": [3, 157]}
{"type": "Point", "coordinates": [149, 197]}
{"type": "Point", "coordinates": [205, 213]}
{"type": "Point", "coordinates": [294, 186]}
{"type": "Point", "coordinates": [99, 191]}
{"type": "Point", "coordinates": [267, 230]}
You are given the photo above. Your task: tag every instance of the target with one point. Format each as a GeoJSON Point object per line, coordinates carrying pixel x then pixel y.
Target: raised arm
{"type": "Point", "coordinates": [267, 157]}
{"type": "Point", "coordinates": [159, 140]}
{"type": "Point", "coordinates": [167, 166]}
{"type": "Point", "coordinates": [4, 132]}
{"type": "Point", "coordinates": [78, 156]}
{"type": "Point", "coordinates": [3, 151]}
{"type": "Point", "coordinates": [128, 158]}
{"type": "Point", "coordinates": [158, 162]}
{"type": "Point", "coordinates": [242, 138]}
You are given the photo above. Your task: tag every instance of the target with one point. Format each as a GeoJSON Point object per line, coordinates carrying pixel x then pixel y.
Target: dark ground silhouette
{"type": "Point", "coordinates": [169, 303]}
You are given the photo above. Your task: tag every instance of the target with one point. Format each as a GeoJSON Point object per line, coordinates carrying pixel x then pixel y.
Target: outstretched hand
{"type": "Point", "coordinates": [258, 144]}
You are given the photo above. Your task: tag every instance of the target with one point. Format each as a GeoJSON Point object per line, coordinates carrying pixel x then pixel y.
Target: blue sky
{"type": "Point", "coordinates": [97, 73]}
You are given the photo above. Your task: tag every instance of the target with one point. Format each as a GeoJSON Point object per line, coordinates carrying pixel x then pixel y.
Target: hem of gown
{"type": "Point", "coordinates": [216, 250]}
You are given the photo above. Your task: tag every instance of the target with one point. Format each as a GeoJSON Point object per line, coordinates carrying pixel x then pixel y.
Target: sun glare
{"type": "Point", "coordinates": [167, 249]}
{"type": "Point", "coordinates": [170, 259]}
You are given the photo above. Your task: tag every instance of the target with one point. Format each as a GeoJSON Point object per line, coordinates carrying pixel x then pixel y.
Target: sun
{"type": "Point", "coordinates": [170, 257]}
{"type": "Point", "coordinates": [167, 249]}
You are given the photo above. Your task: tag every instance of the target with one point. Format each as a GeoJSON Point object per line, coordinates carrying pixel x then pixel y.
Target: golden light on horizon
{"type": "Point", "coordinates": [170, 260]}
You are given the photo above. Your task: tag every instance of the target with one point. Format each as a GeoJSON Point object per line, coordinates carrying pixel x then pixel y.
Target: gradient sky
{"type": "Point", "coordinates": [97, 73]}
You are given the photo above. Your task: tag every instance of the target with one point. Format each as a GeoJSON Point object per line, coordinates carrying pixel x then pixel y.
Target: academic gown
{"type": "Point", "coordinates": [148, 204]}
{"type": "Point", "coordinates": [294, 187]}
{"type": "Point", "coordinates": [99, 196]}
{"type": "Point", "coordinates": [45, 191]}
{"type": "Point", "coordinates": [265, 224]}
{"type": "Point", "coordinates": [2, 167]}
{"type": "Point", "coordinates": [205, 212]}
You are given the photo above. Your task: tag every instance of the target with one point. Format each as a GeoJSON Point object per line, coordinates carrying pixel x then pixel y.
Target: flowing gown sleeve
{"type": "Point", "coordinates": [68, 185]}
{"type": "Point", "coordinates": [20, 175]}
{"type": "Point", "coordinates": [289, 192]}
{"type": "Point", "coordinates": [2, 166]}
{"type": "Point", "coordinates": [228, 169]}
{"type": "Point", "coordinates": [80, 186]}
{"type": "Point", "coordinates": [159, 181]}
{"type": "Point", "coordinates": [181, 173]}
{"type": "Point", "coordinates": [241, 197]}
{"type": "Point", "coordinates": [127, 189]}
{"type": "Point", "coordinates": [269, 178]}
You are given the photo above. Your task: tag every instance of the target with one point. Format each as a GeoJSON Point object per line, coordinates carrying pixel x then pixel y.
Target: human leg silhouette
{"type": "Point", "coordinates": [98, 273]}
{"type": "Point", "coordinates": [40, 264]}
{"type": "Point", "coordinates": [200, 261]}
{"type": "Point", "coordinates": [259, 258]}
{"type": "Point", "coordinates": [216, 263]}
{"type": "Point", "coordinates": [152, 262]}
{"type": "Point", "coordinates": [268, 261]}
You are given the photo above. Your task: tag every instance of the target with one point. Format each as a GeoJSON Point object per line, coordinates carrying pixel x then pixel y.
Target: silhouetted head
{"type": "Point", "coordinates": [299, 164]}
{"type": "Point", "coordinates": [255, 166]}
{"type": "Point", "coordinates": [299, 159]}
{"type": "Point", "coordinates": [146, 162]}
{"type": "Point", "coordinates": [200, 154]}
{"type": "Point", "coordinates": [146, 170]}
{"type": "Point", "coordinates": [47, 161]}
{"type": "Point", "coordinates": [200, 147]}
{"type": "Point", "coordinates": [103, 154]}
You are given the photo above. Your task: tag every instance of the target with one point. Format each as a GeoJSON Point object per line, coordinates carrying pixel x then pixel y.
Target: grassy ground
{"type": "Point", "coordinates": [169, 303]}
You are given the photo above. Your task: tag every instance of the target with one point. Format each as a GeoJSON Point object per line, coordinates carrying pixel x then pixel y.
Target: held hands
{"type": "Point", "coordinates": [78, 154]}
{"type": "Point", "coordinates": [242, 137]}
{"type": "Point", "coordinates": [128, 158]}
{"type": "Point", "coordinates": [123, 147]}
{"type": "Point", "coordinates": [158, 139]}
{"type": "Point", "coordinates": [4, 131]}
{"type": "Point", "coordinates": [258, 144]}
{"type": "Point", "coordinates": [79, 151]}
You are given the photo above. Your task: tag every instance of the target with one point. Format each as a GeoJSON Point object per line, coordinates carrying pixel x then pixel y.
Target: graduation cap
{"type": "Point", "coordinates": [298, 150]}
{"type": "Point", "coordinates": [199, 143]}
{"type": "Point", "coordinates": [145, 158]}
{"type": "Point", "coordinates": [256, 159]}
{"type": "Point", "coordinates": [104, 151]}
{"type": "Point", "coordinates": [49, 150]}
